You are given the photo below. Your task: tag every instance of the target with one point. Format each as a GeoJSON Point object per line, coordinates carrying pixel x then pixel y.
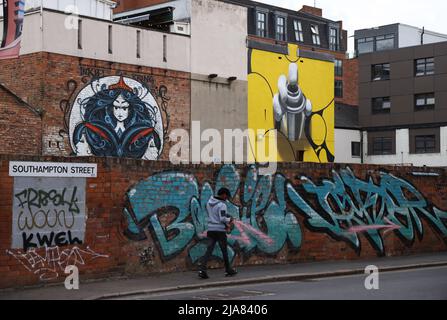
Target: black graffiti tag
{"type": "Point", "coordinates": [43, 209]}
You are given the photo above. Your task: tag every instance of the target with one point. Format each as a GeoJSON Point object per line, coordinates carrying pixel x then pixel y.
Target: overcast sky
{"type": "Point", "coordinates": [360, 14]}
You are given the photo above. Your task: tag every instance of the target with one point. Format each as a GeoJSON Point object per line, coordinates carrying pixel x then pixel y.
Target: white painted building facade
{"type": "Point", "coordinates": [403, 155]}
{"type": "Point", "coordinates": [344, 150]}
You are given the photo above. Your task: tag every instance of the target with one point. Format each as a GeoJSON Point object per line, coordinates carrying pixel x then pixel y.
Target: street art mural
{"type": "Point", "coordinates": [116, 116]}
{"type": "Point", "coordinates": [264, 223]}
{"type": "Point", "coordinates": [293, 96]}
{"type": "Point", "coordinates": [48, 212]}
{"type": "Point", "coordinates": [266, 210]}
{"type": "Point", "coordinates": [349, 206]}
{"type": "Point", "coordinates": [13, 15]}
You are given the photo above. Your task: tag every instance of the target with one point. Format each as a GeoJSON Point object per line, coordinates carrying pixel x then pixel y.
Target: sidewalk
{"type": "Point", "coordinates": [247, 275]}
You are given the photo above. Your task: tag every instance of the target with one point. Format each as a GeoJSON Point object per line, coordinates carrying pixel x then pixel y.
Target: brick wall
{"type": "Point", "coordinates": [20, 126]}
{"type": "Point", "coordinates": [350, 82]}
{"type": "Point", "coordinates": [312, 10]}
{"type": "Point", "coordinates": [52, 82]}
{"type": "Point", "coordinates": [147, 217]}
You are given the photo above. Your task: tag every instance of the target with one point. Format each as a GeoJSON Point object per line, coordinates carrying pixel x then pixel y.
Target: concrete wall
{"type": "Point", "coordinates": [220, 105]}
{"type": "Point", "coordinates": [137, 221]}
{"type": "Point", "coordinates": [57, 38]}
{"type": "Point", "coordinates": [218, 45]}
{"type": "Point", "coordinates": [411, 36]}
{"type": "Point", "coordinates": [101, 9]}
{"type": "Point", "coordinates": [403, 155]}
{"type": "Point", "coordinates": [343, 140]}
{"type": "Point", "coordinates": [218, 39]}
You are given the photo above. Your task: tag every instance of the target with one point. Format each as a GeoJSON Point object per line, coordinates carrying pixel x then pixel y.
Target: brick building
{"type": "Point", "coordinates": [204, 75]}
{"type": "Point", "coordinates": [64, 69]}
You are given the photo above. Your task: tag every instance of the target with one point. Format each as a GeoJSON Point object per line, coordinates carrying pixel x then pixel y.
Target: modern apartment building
{"type": "Point", "coordinates": [403, 105]}
{"type": "Point", "coordinates": [394, 36]}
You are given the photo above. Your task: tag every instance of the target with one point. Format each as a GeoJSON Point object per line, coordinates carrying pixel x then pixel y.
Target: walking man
{"type": "Point", "coordinates": [218, 223]}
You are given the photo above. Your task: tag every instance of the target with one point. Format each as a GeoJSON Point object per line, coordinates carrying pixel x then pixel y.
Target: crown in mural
{"type": "Point", "coordinates": [120, 85]}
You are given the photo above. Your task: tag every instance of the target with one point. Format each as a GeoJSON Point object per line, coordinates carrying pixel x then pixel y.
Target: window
{"type": "Point", "coordinates": [315, 34]}
{"type": "Point", "coordinates": [165, 48]}
{"type": "Point", "coordinates": [333, 39]}
{"type": "Point", "coordinates": [382, 146]}
{"type": "Point", "coordinates": [424, 101]}
{"type": "Point", "coordinates": [338, 68]}
{"type": "Point", "coordinates": [338, 89]}
{"type": "Point", "coordinates": [425, 67]}
{"type": "Point", "coordinates": [79, 34]}
{"type": "Point", "coordinates": [425, 140]}
{"type": "Point", "coordinates": [381, 105]}
{"type": "Point", "coordinates": [385, 42]}
{"type": "Point", "coordinates": [281, 28]}
{"type": "Point", "coordinates": [261, 26]}
{"type": "Point", "coordinates": [110, 45]}
{"type": "Point", "coordinates": [365, 45]}
{"type": "Point", "coordinates": [380, 72]}
{"type": "Point", "coordinates": [138, 44]}
{"type": "Point", "coordinates": [299, 36]}
{"type": "Point", "coordinates": [355, 149]}
{"type": "Point", "coordinates": [425, 144]}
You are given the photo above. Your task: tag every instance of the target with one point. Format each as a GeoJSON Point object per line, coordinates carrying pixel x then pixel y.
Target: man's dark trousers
{"type": "Point", "coordinates": [221, 238]}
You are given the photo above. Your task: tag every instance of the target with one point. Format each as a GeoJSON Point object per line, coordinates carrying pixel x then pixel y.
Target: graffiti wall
{"type": "Point", "coordinates": [293, 95]}
{"type": "Point", "coordinates": [267, 210]}
{"type": "Point", "coordinates": [139, 217]}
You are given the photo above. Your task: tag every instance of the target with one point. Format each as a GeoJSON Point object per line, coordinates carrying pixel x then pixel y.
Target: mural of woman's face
{"type": "Point", "coordinates": [121, 108]}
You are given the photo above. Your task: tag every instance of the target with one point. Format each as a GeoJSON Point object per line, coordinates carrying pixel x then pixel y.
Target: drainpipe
{"type": "Point", "coordinates": [362, 159]}
{"type": "Point", "coordinates": [422, 35]}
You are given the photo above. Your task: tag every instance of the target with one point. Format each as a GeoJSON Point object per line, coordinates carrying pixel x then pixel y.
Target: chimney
{"type": "Point", "coordinates": [312, 10]}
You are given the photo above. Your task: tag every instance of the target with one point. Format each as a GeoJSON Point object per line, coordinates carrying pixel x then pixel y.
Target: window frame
{"type": "Point", "coordinates": [338, 68]}
{"type": "Point", "coordinates": [284, 27]}
{"type": "Point", "coordinates": [382, 110]}
{"type": "Point", "coordinates": [339, 88]}
{"type": "Point", "coordinates": [358, 146]}
{"type": "Point", "coordinates": [373, 72]}
{"type": "Point", "coordinates": [333, 39]}
{"type": "Point", "coordinates": [384, 38]}
{"type": "Point", "coordinates": [425, 149]}
{"type": "Point", "coordinates": [315, 35]}
{"type": "Point", "coordinates": [382, 141]}
{"type": "Point", "coordinates": [426, 105]}
{"type": "Point", "coordinates": [424, 62]}
{"type": "Point", "coordinates": [265, 22]}
{"type": "Point", "coordinates": [369, 40]}
{"type": "Point", "coordinates": [298, 31]}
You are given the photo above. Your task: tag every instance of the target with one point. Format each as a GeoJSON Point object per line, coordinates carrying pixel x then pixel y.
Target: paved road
{"type": "Point", "coordinates": [429, 283]}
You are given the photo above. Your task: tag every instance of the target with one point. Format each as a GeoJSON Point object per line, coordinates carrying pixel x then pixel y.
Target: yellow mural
{"type": "Point", "coordinates": [292, 98]}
